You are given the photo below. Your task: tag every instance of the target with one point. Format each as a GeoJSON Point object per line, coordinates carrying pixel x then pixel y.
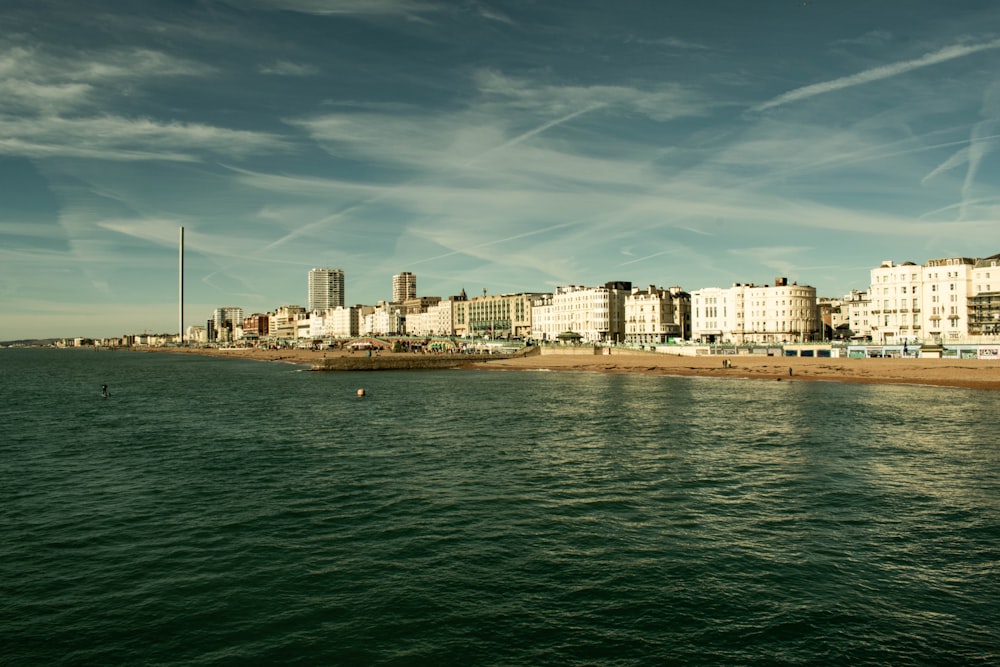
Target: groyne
{"type": "Point", "coordinates": [403, 362]}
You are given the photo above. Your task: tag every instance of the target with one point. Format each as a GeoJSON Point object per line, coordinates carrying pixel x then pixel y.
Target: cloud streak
{"type": "Point", "coordinates": [878, 73]}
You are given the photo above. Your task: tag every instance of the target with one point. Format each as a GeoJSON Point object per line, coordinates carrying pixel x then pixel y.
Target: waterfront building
{"type": "Point", "coordinates": [417, 305]}
{"type": "Point", "coordinates": [303, 327]}
{"type": "Point", "coordinates": [256, 325]}
{"type": "Point", "coordinates": [385, 319]}
{"type": "Point", "coordinates": [195, 334]}
{"type": "Point", "coordinates": [947, 286]}
{"type": "Point", "coordinates": [858, 303]}
{"type": "Point", "coordinates": [748, 313]}
{"type": "Point", "coordinates": [898, 295]}
{"type": "Point", "coordinates": [656, 315]}
{"type": "Point", "coordinates": [283, 322]}
{"type": "Point", "coordinates": [434, 320]}
{"type": "Point", "coordinates": [596, 314]}
{"type": "Point", "coordinates": [493, 315]}
{"type": "Point", "coordinates": [931, 302]}
{"type": "Point", "coordinates": [717, 314]}
{"type": "Point", "coordinates": [944, 300]}
{"type": "Point", "coordinates": [984, 304]}
{"type": "Point", "coordinates": [344, 322]}
{"type": "Point", "coordinates": [227, 323]}
{"type": "Point", "coordinates": [326, 289]}
{"type": "Point", "coordinates": [404, 287]}
{"type": "Point", "coordinates": [834, 318]}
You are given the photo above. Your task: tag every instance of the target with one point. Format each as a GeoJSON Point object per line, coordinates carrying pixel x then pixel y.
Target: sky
{"type": "Point", "coordinates": [499, 145]}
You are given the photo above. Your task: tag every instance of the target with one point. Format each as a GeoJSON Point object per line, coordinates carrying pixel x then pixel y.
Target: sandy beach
{"type": "Point", "coordinates": [965, 373]}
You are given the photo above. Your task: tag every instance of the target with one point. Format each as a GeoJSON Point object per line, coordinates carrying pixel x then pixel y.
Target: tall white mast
{"type": "Point", "coordinates": [180, 299]}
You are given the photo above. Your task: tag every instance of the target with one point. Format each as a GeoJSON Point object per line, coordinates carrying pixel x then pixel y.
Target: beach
{"type": "Point", "coordinates": [964, 373]}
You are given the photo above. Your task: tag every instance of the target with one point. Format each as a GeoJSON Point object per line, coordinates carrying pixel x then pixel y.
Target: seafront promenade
{"type": "Point", "coordinates": [965, 373]}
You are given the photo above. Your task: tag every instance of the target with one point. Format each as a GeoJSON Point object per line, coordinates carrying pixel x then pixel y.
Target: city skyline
{"type": "Point", "coordinates": [487, 144]}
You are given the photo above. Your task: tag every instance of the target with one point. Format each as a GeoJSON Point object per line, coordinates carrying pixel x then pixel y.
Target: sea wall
{"type": "Point", "coordinates": [569, 350]}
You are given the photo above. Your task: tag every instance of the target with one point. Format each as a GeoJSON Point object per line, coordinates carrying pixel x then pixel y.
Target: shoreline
{"type": "Point", "coordinates": [955, 373]}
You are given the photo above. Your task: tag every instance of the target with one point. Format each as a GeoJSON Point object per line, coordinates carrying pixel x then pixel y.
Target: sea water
{"type": "Point", "coordinates": [215, 512]}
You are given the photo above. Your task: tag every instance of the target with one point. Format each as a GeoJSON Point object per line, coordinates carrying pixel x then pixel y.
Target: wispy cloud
{"type": "Point", "coordinates": [58, 105]}
{"type": "Point", "coordinates": [668, 42]}
{"type": "Point", "coordinates": [286, 68]}
{"type": "Point", "coordinates": [34, 80]}
{"type": "Point", "coordinates": [662, 102]}
{"type": "Point", "coordinates": [494, 14]}
{"type": "Point", "coordinates": [878, 73]}
{"type": "Point", "coordinates": [116, 138]}
{"type": "Point", "coordinates": [506, 113]}
{"type": "Point", "coordinates": [357, 7]}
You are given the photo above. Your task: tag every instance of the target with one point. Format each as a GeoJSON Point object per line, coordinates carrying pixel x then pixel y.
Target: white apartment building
{"type": "Point", "coordinates": [231, 314]}
{"type": "Point", "coordinates": [713, 314]}
{"type": "Point", "coordinates": [858, 304]}
{"type": "Point", "coordinates": [385, 319]}
{"type": "Point", "coordinates": [228, 323]}
{"type": "Point", "coordinates": [337, 322]}
{"type": "Point", "coordinates": [195, 334]}
{"type": "Point", "coordinates": [343, 322]}
{"type": "Point", "coordinates": [984, 305]}
{"type": "Point", "coordinates": [931, 302]}
{"type": "Point", "coordinates": [656, 315]}
{"type": "Point", "coordinates": [542, 317]}
{"type": "Point", "coordinates": [596, 314]}
{"type": "Point", "coordinates": [283, 322]}
{"type": "Point", "coordinates": [303, 327]}
{"type": "Point", "coordinates": [748, 313]}
{"type": "Point", "coordinates": [404, 286]}
{"type": "Point", "coordinates": [435, 321]}
{"type": "Point", "coordinates": [947, 288]}
{"type": "Point", "coordinates": [326, 289]}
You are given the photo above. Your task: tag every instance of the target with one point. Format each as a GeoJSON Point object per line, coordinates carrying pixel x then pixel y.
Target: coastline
{"type": "Point", "coordinates": [956, 373]}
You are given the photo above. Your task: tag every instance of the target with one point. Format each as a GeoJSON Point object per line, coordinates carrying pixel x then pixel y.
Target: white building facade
{"type": "Point", "coordinates": [228, 323]}
{"type": "Point", "coordinates": [984, 304]}
{"type": "Point", "coordinates": [404, 286]}
{"type": "Point", "coordinates": [910, 302]}
{"type": "Point", "coordinates": [436, 320]}
{"type": "Point", "coordinates": [338, 322]}
{"type": "Point", "coordinates": [656, 315]}
{"type": "Point", "coordinates": [858, 304]}
{"type": "Point", "coordinates": [326, 289]}
{"type": "Point", "coordinates": [283, 322]}
{"type": "Point", "coordinates": [748, 313]}
{"type": "Point", "coordinates": [385, 319]}
{"type": "Point", "coordinates": [596, 314]}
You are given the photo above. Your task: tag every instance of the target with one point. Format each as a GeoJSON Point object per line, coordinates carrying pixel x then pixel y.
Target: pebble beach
{"type": "Point", "coordinates": [963, 373]}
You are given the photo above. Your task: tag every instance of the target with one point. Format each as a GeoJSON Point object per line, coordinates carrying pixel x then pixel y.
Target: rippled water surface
{"type": "Point", "coordinates": [218, 511]}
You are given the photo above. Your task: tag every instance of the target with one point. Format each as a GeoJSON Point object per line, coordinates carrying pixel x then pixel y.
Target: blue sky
{"type": "Point", "coordinates": [511, 145]}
